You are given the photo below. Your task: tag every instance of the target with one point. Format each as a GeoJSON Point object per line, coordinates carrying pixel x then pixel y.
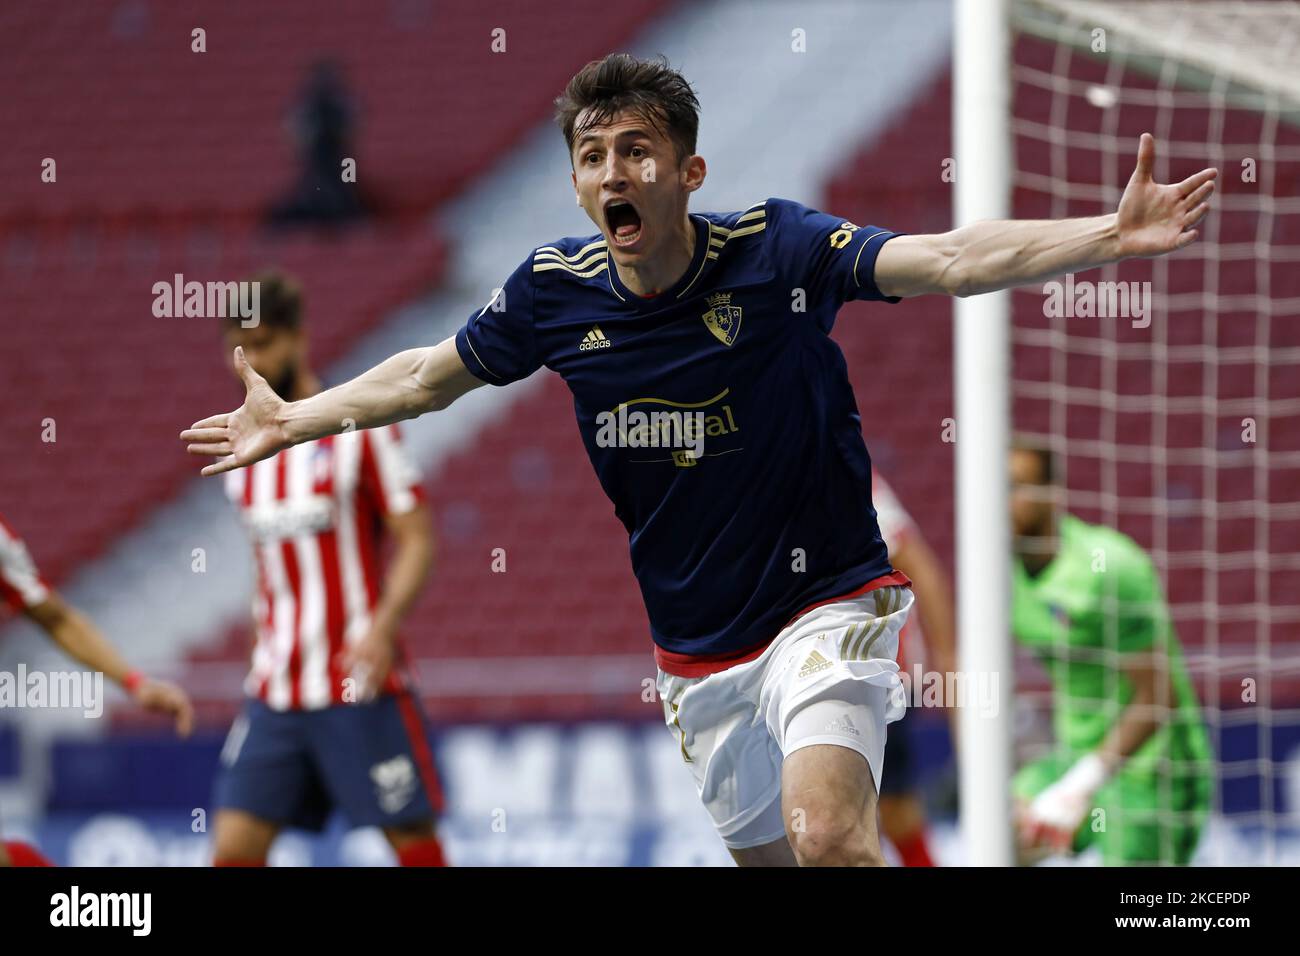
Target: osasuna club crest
{"type": "Point", "coordinates": [723, 318]}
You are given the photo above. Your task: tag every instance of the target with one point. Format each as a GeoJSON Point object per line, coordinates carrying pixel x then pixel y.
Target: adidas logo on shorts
{"type": "Point", "coordinates": [844, 726]}
{"type": "Point", "coordinates": [815, 662]}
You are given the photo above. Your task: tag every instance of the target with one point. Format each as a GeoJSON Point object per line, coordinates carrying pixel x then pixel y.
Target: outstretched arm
{"type": "Point", "coordinates": [403, 386]}
{"type": "Point", "coordinates": [1152, 220]}
{"type": "Point", "coordinates": [81, 640]}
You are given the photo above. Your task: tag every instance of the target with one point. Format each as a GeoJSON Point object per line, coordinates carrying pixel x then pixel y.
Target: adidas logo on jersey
{"type": "Point", "coordinates": [815, 662]}
{"type": "Point", "coordinates": [595, 339]}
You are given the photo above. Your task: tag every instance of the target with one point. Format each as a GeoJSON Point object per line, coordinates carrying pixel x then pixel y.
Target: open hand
{"type": "Point", "coordinates": [1155, 219]}
{"type": "Point", "coordinates": [368, 662]}
{"type": "Point", "coordinates": [168, 699]}
{"type": "Point", "coordinates": [250, 433]}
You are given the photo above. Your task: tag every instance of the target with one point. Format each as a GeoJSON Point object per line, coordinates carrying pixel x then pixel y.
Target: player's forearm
{"type": "Point", "coordinates": [409, 569]}
{"type": "Point", "coordinates": [396, 389]}
{"type": "Point", "coordinates": [1002, 254]}
{"type": "Point", "coordinates": [1138, 721]}
{"type": "Point", "coordinates": [73, 632]}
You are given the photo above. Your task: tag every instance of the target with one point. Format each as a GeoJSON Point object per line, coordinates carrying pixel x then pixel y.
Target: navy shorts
{"type": "Point", "coordinates": [370, 760]}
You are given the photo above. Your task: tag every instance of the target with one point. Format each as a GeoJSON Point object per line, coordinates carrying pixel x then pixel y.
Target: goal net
{"type": "Point", "coordinates": [1169, 389]}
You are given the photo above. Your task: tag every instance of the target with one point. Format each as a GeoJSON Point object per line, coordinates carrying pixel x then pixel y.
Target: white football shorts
{"type": "Point", "coordinates": [830, 677]}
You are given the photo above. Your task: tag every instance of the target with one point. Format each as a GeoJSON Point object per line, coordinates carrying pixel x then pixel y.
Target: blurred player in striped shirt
{"type": "Point", "coordinates": [23, 590]}
{"type": "Point", "coordinates": [331, 720]}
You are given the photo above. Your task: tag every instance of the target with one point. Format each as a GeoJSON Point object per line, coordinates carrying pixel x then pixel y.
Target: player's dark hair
{"type": "Point", "coordinates": [1046, 457]}
{"type": "Point", "coordinates": [279, 301]}
{"type": "Point", "coordinates": [620, 81]}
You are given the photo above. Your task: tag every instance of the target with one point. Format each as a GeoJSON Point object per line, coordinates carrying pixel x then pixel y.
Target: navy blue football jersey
{"type": "Point", "coordinates": [717, 414]}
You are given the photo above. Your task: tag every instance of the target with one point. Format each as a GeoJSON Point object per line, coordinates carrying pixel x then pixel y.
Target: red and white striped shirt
{"type": "Point", "coordinates": [315, 514]}
{"type": "Point", "coordinates": [21, 585]}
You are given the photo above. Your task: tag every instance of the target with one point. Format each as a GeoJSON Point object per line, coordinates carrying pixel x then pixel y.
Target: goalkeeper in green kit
{"type": "Point", "coordinates": [1131, 770]}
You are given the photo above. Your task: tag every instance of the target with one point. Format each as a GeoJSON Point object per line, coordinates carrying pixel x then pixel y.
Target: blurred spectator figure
{"type": "Point", "coordinates": [322, 124]}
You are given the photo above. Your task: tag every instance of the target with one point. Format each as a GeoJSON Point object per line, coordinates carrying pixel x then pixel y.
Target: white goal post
{"type": "Point", "coordinates": [981, 365]}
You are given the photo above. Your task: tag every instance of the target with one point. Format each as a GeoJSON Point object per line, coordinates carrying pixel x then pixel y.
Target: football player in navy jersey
{"type": "Point", "coordinates": [718, 416]}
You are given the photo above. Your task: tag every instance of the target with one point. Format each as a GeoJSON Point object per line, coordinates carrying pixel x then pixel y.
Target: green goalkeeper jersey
{"type": "Point", "coordinates": [1098, 600]}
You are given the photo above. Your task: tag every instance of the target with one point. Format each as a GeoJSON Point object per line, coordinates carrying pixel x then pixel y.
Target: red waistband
{"type": "Point", "coordinates": [701, 665]}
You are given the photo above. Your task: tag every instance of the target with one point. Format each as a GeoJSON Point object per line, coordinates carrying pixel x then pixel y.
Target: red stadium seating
{"type": "Point", "coordinates": [140, 124]}
{"type": "Point", "coordinates": [168, 159]}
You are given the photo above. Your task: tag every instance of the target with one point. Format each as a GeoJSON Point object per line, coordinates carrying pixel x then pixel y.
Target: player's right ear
{"type": "Point", "coordinates": [694, 172]}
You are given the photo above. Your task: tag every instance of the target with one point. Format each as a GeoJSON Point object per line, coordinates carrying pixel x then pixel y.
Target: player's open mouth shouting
{"type": "Point", "coordinates": [623, 221]}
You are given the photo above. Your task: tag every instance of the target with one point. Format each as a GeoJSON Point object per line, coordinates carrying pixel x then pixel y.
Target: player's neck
{"type": "Point", "coordinates": [1036, 552]}
{"type": "Point", "coordinates": [662, 272]}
